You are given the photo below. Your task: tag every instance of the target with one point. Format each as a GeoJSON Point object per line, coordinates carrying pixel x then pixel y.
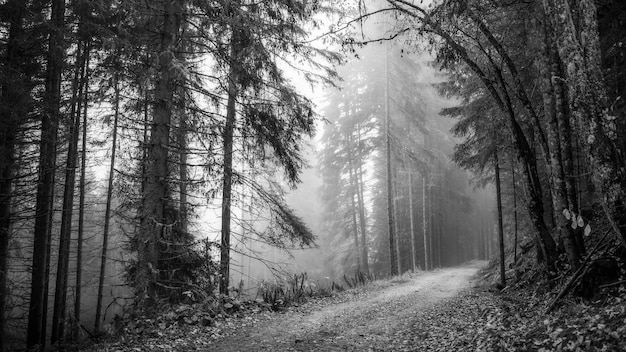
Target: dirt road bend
{"type": "Point", "coordinates": [374, 320]}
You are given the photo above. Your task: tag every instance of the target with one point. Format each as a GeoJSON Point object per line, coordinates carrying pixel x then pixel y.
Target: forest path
{"type": "Point", "coordinates": [373, 320]}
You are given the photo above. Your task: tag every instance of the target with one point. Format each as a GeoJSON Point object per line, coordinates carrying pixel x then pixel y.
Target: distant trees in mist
{"type": "Point", "coordinates": [438, 219]}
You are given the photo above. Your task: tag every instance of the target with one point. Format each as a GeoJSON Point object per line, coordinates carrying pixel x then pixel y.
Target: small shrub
{"type": "Point", "coordinates": [359, 279]}
{"type": "Point", "coordinates": [295, 289]}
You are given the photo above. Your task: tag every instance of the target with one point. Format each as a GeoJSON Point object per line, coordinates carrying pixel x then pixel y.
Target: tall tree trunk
{"type": "Point", "coordinates": [431, 221]}
{"type": "Point", "coordinates": [362, 221]}
{"type": "Point", "coordinates": [146, 126]}
{"type": "Point", "coordinates": [482, 252]}
{"type": "Point", "coordinates": [12, 110]}
{"type": "Point", "coordinates": [425, 221]}
{"type": "Point", "coordinates": [412, 221]}
{"type": "Point", "coordinates": [60, 289]}
{"type": "Point", "coordinates": [45, 184]}
{"type": "Point", "coordinates": [355, 229]}
{"type": "Point", "coordinates": [81, 206]}
{"type": "Point", "coordinates": [227, 135]}
{"type": "Point", "coordinates": [396, 219]}
{"type": "Point", "coordinates": [393, 260]}
{"type": "Point", "coordinates": [439, 215]}
{"type": "Point", "coordinates": [360, 198]}
{"type": "Point", "coordinates": [107, 211]}
{"type": "Point", "coordinates": [353, 192]}
{"type": "Point", "coordinates": [496, 166]}
{"type": "Point", "coordinates": [565, 139]}
{"type": "Point", "coordinates": [413, 250]}
{"type": "Point", "coordinates": [154, 198]}
{"type": "Point", "coordinates": [432, 206]}
{"type": "Point", "coordinates": [183, 217]}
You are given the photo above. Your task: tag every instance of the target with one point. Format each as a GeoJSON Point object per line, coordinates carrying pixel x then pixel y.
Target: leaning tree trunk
{"type": "Point", "coordinates": [63, 261]}
{"type": "Point", "coordinates": [45, 184]}
{"type": "Point", "coordinates": [81, 201]}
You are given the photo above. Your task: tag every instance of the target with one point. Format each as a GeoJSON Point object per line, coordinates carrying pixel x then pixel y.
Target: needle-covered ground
{"type": "Point", "coordinates": [443, 310]}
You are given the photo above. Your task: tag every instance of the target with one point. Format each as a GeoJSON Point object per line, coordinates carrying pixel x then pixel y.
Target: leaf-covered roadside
{"type": "Point", "coordinates": [481, 320]}
{"type": "Point", "coordinates": [183, 327]}
{"type": "Point", "coordinates": [196, 327]}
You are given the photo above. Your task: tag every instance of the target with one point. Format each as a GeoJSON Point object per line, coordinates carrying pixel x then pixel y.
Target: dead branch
{"type": "Point", "coordinates": [577, 275]}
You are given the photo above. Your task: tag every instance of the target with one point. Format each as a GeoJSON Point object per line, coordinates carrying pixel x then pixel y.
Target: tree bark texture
{"type": "Point", "coordinates": [155, 195]}
{"type": "Point", "coordinates": [552, 111]}
{"type": "Point", "coordinates": [579, 50]}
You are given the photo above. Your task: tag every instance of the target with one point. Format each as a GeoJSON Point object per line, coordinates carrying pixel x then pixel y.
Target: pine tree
{"type": "Point", "coordinates": [45, 187]}
{"type": "Point", "coordinates": [154, 198]}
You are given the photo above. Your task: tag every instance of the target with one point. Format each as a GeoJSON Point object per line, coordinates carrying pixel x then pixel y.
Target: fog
{"type": "Point", "coordinates": [459, 215]}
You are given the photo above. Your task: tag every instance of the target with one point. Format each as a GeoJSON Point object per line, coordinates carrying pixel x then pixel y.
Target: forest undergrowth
{"type": "Point", "coordinates": [196, 325]}
{"type": "Point", "coordinates": [482, 318]}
